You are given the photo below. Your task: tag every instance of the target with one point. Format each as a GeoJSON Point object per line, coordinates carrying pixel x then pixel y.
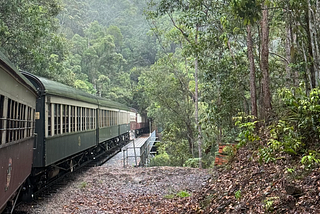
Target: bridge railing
{"type": "Point", "coordinates": [146, 148]}
{"type": "Point", "coordinates": [141, 154]}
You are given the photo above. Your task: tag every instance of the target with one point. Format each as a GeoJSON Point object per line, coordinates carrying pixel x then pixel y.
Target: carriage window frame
{"type": "Point", "coordinates": [87, 118]}
{"type": "Point", "coordinates": [82, 118]}
{"type": "Point", "coordinates": [72, 119]}
{"type": "Point", "coordinates": [17, 120]}
{"type": "Point", "coordinates": [2, 119]}
{"type": "Point", "coordinates": [91, 122]}
{"type": "Point", "coordinates": [57, 115]}
{"type": "Point", "coordinates": [49, 126]}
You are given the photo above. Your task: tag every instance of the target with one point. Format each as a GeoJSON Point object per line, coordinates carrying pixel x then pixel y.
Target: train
{"type": "Point", "coordinates": [48, 128]}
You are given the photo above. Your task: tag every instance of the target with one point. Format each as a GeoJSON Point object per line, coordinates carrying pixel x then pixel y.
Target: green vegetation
{"type": "Point", "coordinates": [170, 196]}
{"type": "Point", "coordinates": [269, 203]}
{"type": "Point", "coordinates": [206, 72]}
{"type": "Point", "coordinates": [237, 194]}
{"type": "Point", "coordinates": [180, 194]}
{"type": "Point", "coordinates": [183, 194]}
{"type": "Point", "coordinates": [83, 185]}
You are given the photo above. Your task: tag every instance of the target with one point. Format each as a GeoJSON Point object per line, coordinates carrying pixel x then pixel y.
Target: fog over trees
{"type": "Point", "coordinates": [207, 72]}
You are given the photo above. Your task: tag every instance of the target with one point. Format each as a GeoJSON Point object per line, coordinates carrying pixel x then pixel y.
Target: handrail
{"type": "Point", "coordinates": [144, 151]}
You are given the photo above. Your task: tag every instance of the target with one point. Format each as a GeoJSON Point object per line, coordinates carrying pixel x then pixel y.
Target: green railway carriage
{"type": "Point", "coordinates": [74, 126]}
{"type": "Point", "coordinates": [114, 121]}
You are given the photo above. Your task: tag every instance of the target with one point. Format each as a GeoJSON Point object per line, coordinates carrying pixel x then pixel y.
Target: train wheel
{"type": "Point", "coordinates": [27, 191]}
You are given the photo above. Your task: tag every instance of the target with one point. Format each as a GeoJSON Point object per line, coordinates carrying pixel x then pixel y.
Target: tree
{"type": "Point", "coordinates": [249, 11]}
{"type": "Point", "coordinates": [29, 39]}
{"type": "Point", "coordinates": [264, 63]}
{"type": "Point", "coordinates": [170, 103]}
{"type": "Point", "coordinates": [189, 23]}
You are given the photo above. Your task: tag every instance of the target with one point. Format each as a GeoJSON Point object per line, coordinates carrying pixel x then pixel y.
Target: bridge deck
{"type": "Point", "coordinates": [117, 160]}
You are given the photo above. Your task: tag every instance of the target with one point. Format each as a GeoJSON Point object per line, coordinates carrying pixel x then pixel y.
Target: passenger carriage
{"type": "Point", "coordinates": [17, 113]}
{"type": "Point", "coordinates": [138, 123]}
{"type": "Point", "coordinates": [73, 128]}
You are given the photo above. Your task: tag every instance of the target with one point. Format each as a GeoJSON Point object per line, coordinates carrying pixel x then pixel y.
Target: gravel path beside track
{"type": "Point", "coordinates": [122, 190]}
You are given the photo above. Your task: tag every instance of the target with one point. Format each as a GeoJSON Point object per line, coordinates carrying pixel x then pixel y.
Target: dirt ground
{"type": "Point", "coordinates": [125, 190]}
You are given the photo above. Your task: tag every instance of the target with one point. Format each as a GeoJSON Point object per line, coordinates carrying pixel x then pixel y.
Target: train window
{"type": "Point", "coordinates": [23, 121]}
{"type": "Point", "coordinates": [127, 118]}
{"type": "Point", "coordinates": [78, 119]}
{"type": "Point", "coordinates": [63, 118]}
{"type": "Point", "coordinates": [91, 119]}
{"type": "Point", "coordinates": [30, 123]}
{"type": "Point", "coordinates": [102, 118]}
{"type": "Point", "coordinates": [73, 119]}
{"type": "Point", "coordinates": [54, 118]}
{"type": "Point", "coordinates": [87, 118]}
{"type": "Point", "coordinates": [57, 119]}
{"type": "Point", "coordinates": [117, 118]}
{"type": "Point", "coordinates": [66, 119]}
{"type": "Point", "coordinates": [109, 118]}
{"type": "Point", "coordinates": [17, 126]}
{"type": "Point", "coordinates": [105, 118]}
{"type": "Point", "coordinates": [8, 133]}
{"type": "Point", "coordinates": [83, 122]}
{"type": "Point", "coordinates": [2, 119]}
{"type": "Point", "coordinates": [94, 118]}
{"type": "Point", "coordinates": [49, 119]}
{"type": "Point", "coordinates": [113, 118]}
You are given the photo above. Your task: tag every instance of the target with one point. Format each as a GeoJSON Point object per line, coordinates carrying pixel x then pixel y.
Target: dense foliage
{"type": "Point", "coordinates": [247, 51]}
{"type": "Point", "coordinates": [195, 66]}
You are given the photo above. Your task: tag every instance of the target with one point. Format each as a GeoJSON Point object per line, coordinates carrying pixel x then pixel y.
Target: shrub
{"type": "Point", "coordinates": [160, 160]}
{"type": "Point", "coordinates": [183, 194]}
{"type": "Point", "coordinates": [192, 162]}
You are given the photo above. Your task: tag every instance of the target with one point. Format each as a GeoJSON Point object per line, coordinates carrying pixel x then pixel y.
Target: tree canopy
{"type": "Point", "coordinates": [207, 72]}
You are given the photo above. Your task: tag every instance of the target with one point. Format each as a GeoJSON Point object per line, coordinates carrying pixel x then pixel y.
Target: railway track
{"type": "Point", "coordinates": [53, 186]}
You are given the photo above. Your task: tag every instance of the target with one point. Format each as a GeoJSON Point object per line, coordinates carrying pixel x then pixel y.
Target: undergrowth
{"type": "Point", "coordinates": [294, 131]}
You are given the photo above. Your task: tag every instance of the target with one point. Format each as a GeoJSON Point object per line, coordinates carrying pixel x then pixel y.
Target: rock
{"type": "Point", "coordinates": [293, 190]}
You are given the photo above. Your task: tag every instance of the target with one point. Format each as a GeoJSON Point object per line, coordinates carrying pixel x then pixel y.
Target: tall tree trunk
{"type": "Point", "coordinates": [316, 37]}
{"type": "Point", "coordinates": [313, 44]}
{"type": "Point", "coordinates": [252, 73]}
{"type": "Point", "coordinates": [288, 53]}
{"type": "Point", "coordinates": [196, 102]}
{"type": "Point", "coordinates": [264, 65]}
{"type": "Point", "coordinates": [293, 50]}
{"type": "Point", "coordinates": [311, 53]}
{"type": "Point", "coordinates": [190, 136]}
{"type": "Point", "coordinates": [306, 78]}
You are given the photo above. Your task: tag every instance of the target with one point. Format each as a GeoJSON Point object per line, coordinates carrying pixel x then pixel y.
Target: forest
{"type": "Point", "coordinates": [206, 72]}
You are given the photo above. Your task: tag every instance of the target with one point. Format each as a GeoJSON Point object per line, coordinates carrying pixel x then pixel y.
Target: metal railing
{"type": "Point", "coordinates": [144, 151]}
{"type": "Point", "coordinates": [146, 148]}
{"type": "Point", "coordinates": [126, 156]}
